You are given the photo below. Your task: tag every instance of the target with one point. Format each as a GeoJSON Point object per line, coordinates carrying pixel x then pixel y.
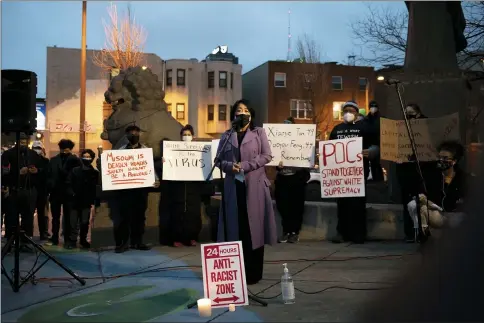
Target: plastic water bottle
{"type": "Point", "coordinates": [287, 286]}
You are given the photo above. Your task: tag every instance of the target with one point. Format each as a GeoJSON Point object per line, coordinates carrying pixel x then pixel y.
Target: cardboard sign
{"type": "Point", "coordinates": [224, 274]}
{"type": "Point", "coordinates": [127, 168]}
{"type": "Point", "coordinates": [293, 144]}
{"type": "Point", "coordinates": [187, 161]}
{"type": "Point", "coordinates": [341, 167]}
{"type": "Point", "coordinates": [429, 133]}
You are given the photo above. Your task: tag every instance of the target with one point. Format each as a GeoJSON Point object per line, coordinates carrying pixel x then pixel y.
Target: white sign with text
{"type": "Point", "coordinates": [127, 168]}
{"type": "Point", "coordinates": [341, 168]}
{"type": "Point", "coordinates": [293, 144]}
{"type": "Point", "coordinates": [186, 161]}
{"type": "Point", "coordinates": [224, 274]}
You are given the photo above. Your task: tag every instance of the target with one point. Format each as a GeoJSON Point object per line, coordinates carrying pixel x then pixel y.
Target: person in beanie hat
{"type": "Point", "coordinates": [290, 194]}
{"type": "Point", "coordinates": [42, 194]}
{"type": "Point", "coordinates": [373, 120]}
{"type": "Point", "coordinates": [352, 210]}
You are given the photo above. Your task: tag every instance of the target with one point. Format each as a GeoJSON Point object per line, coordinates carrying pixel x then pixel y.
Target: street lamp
{"type": "Point", "coordinates": [82, 110]}
{"type": "Point", "coordinates": [380, 78]}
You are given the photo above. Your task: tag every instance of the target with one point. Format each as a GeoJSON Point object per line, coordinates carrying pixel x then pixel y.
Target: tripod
{"type": "Point", "coordinates": [217, 161]}
{"type": "Point", "coordinates": [419, 234]}
{"type": "Point", "coordinates": [19, 235]}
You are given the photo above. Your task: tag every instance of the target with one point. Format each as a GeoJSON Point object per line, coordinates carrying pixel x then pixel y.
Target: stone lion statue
{"type": "Point", "coordinates": [136, 96]}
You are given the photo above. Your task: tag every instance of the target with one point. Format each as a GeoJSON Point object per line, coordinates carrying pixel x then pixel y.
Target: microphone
{"type": "Point", "coordinates": [237, 122]}
{"type": "Point", "coordinates": [393, 81]}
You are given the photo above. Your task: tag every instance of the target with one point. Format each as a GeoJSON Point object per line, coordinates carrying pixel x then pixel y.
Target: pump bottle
{"type": "Point", "coordinates": [287, 286]}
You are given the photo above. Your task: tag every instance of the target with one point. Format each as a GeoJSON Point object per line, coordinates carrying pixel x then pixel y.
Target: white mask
{"type": "Point", "coordinates": [187, 138]}
{"type": "Point", "coordinates": [39, 151]}
{"type": "Point", "coordinates": [373, 110]}
{"type": "Point", "coordinates": [348, 117]}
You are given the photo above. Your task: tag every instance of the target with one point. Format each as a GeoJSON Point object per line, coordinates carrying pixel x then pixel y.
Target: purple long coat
{"type": "Point", "coordinates": [255, 154]}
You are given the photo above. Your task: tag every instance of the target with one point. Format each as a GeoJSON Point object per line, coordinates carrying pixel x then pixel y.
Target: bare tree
{"type": "Point", "coordinates": [383, 32]}
{"type": "Point", "coordinates": [310, 79]}
{"type": "Point", "coordinates": [125, 39]}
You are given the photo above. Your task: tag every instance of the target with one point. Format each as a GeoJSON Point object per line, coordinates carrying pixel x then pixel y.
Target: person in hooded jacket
{"type": "Point", "coordinates": [373, 120]}
{"type": "Point", "coordinates": [42, 195]}
{"type": "Point", "coordinates": [352, 210]}
{"type": "Point", "coordinates": [180, 206]}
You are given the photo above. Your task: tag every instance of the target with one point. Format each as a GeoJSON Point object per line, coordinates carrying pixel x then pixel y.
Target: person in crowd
{"type": "Point", "coordinates": [81, 187]}
{"type": "Point", "coordinates": [352, 210]}
{"type": "Point", "coordinates": [42, 196]}
{"type": "Point", "coordinates": [59, 168]}
{"type": "Point", "coordinates": [129, 224]}
{"type": "Point", "coordinates": [246, 197]}
{"type": "Point", "coordinates": [373, 120]}
{"type": "Point", "coordinates": [21, 181]}
{"type": "Point", "coordinates": [290, 194]}
{"type": "Point", "coordinates": [447, 188]}
{"type": "Point", "coordinates": [180, 209]}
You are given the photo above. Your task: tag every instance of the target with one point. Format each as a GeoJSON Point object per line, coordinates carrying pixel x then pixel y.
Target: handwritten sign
{"type": "Point", "coordinates": [216, 172]}
{"type": "Point", "coordinates": [186, 161]}
{"type": "Point", "coordinates": [70, 127]}
{"type": "Point", "coordinates": [429, 133]}
{"type": "Point", "coordinates": [341, 167]}
{"type": "Point", "coordinates": [224, 274]}
{"type": "Point", "coordinates": [293, 144]}
{"type": "Point", "coordinates": [127, 168]}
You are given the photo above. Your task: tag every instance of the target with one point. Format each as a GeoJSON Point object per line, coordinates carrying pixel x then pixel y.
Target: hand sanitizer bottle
{"type": "Point", "coordinates": [287, 286]}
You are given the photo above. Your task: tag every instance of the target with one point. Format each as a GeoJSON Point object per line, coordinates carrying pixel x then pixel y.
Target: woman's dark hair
{"type": "Point", "coordinates": [415, 107]}
{"type": "Point", "coordinates": [454, 147]}
{"type": "Point", "coordinates": [234, 107]}
{"type": "Point", "coordinates": [132, 128]}
{"type": "Point", "coordinates": [66, 144]}
{"type": "Point", "coordinates": [187, 128]}
{"type": "Point", "coordinates": [88, 151]}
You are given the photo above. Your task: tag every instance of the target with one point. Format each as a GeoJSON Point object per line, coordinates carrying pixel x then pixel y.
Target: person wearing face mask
{"type": "Point", "coordinates": [81, 187]}
{"type": "Point", "coordinates": [22, 192]}
{"type": "Point", "coordinates": [352, 210]}
{"type": "Point", "coordinates": [180, 206]}
{"type": "Point", "coordinates": [42, 195]}
{"type": "Point", "coordinates": [59, 168]}
{"type": "Point", "coordinates": [129, 223]}
{"type": "Point", "coordinates": [373, 120]}
{"type": "Point", "coordinates": [246, 194]}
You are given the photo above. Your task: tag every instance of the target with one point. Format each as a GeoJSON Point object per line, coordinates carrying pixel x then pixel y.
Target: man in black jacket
{"type": "Point", "coordinates": [373, 120]}
{"type": "Point", "coordinates": [81, 187]}
{"type": "Point", "coordinates": [42, 195]}
{"type": "Point", "coordinates": [59, 168]}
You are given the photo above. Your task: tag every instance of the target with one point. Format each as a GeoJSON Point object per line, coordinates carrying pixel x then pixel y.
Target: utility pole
{"type": "Point", "coordinates": [82, 115]}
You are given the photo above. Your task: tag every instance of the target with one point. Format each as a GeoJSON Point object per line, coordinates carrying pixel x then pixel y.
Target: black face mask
{"type": "Point", "coordinates": [87, 161]}
{"type": "Point", "coordinates": [244, 119]}
{"type": "Point", "coordinates": [133, 139]}
{"type": "Point", "coordinates": [444, 164]}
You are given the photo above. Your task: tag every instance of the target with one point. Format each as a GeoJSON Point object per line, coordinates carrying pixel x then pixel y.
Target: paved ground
{"type": "Point", "coordinates": [151, 286]}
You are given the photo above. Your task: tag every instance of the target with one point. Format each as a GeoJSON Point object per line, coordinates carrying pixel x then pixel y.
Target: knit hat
{"type": "Point", "coordinates": [351, 104]}
{"type": "Point", "coordinates": [373, 104]}
{"type": "Point", "coordinates": [289, 120]}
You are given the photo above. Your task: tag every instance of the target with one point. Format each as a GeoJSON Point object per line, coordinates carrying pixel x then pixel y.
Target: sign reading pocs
{"type": "Point", "coordinates": [220, 49]}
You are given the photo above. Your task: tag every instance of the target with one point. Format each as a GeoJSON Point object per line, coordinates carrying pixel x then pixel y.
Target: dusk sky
{"type": "Point", "coordinates": [254, 31]}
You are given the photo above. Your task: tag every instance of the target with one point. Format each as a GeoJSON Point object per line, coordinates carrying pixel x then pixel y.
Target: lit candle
{"type": "Point", "coordinates": [204, 307]}
{"type": "Point", "coordinates": [232, 307]}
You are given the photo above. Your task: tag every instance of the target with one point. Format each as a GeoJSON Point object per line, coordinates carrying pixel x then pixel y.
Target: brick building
{"type": "Point", "coordinates": [311, 93]}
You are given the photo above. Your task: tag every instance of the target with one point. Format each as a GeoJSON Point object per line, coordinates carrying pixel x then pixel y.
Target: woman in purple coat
{"type": "Point", "coordinates": [247, 198]}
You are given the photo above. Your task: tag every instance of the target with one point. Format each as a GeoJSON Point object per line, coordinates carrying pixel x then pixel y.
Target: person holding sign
{"type": "Point", "coordinates": [290, 197]}
{"type": "Point", "coordinates": [130, 226]}
{"type": "Point", "coordinates": [247, 199]}
{"type": "Point", "coordinates": [180, 206]}
{"type": "Point", "coordinates": [352, 210]}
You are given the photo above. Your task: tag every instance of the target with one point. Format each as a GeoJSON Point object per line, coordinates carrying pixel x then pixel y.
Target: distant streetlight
{"type": "Point", "coordinates": [380, 78]}
{"type": "Point", "coordinates": [82, 110]}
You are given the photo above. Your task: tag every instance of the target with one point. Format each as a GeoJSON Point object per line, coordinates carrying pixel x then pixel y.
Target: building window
{"type": "Point", "coordinates": [362, 83]}
{"type": "Point", "coordinates": [222, 112]}
{"type": "Point", "coordinates": [180, 111]}
{"type": "Point", "coordinates": [301, 109]}
{"type": "Point", "coordinates": [222, 79]}
{"type": "Point", "coordinates": [180, 77]}
{"type": "Point", "coordinates": [279, 79]}
{"type": "Point", "coordinates": [169, 77]}
{"type": "Point", "coordinates": [337, 83]}
{"type": "Point", "coordinates": [231, 80]}
{"type": "Point", "coordinates": [211, 80]}
{"type": "Point", "coordinates": [337, 111]}
{"type": "Point", "coordinates": [168, 107]}
{"type": "Point", "coordinates": [211, 112]}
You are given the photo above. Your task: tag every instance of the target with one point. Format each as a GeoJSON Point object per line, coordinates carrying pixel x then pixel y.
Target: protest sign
{"type": "Point", "coordinates": [216, 172]}
{"type": "Point", "coordinates": [429, 133]}
{"type": "Point", "coordinates": [186, 160]}
{"type": "Point", "coordinates": [127, 168]}
{"type": "Point", "coordinates": [293, 144]}
{"type": "Point", "coordinates": [341, 167]}
{"type": "Point", "coordinates": [224, 274]}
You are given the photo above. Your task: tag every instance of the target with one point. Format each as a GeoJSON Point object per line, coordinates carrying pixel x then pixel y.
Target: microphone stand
{"type": "Point", "coordinates": [419, 235]}
{"type": "Point", "coordinates": [217, 162]}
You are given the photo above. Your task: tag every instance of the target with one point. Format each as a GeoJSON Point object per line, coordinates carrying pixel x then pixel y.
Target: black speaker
{"type": "Point", "coordinates": [19, 90]}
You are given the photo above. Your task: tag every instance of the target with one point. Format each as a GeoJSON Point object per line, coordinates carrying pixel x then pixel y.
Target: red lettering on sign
{"type": "Point", "coordinates": [339, 153]}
